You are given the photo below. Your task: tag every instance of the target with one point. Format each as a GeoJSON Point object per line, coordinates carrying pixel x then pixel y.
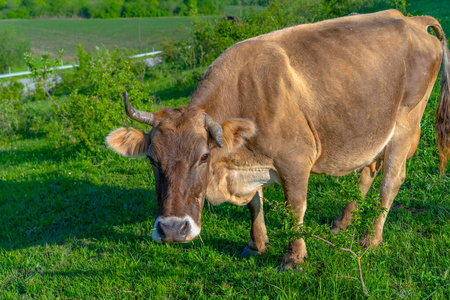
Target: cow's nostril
{"type": "Point", "coordinates": [160, 230]}
{"type": "Point", "coordinates": [184, 228]}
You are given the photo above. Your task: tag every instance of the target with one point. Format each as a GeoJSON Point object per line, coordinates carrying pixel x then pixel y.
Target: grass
{"type": "Point", "coordinates": [75, 226]}
{"type": "Point", "coordinates": [51, 35]}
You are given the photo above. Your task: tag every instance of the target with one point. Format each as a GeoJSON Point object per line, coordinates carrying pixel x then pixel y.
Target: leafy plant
{"type": "Point", "coordinates": [13, 45]}
{"type": "Point", "coordinates": [95, 105]}
{"type": "Point", "coordinates": [42, 72]}
{"type": "Point", "coordinates": [10, 94]}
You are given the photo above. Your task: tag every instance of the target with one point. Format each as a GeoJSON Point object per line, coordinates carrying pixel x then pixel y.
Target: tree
{"type": "Point", "coordinates": [12, 47]}
{"type": "Point", "coordinates": [59, 7]}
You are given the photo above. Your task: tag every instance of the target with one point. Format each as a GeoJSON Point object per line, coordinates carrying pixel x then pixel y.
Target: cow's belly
{"type": "Point", "coordinates": [336, 162]}
{"type": "Point", "coordinates": [238, 186]}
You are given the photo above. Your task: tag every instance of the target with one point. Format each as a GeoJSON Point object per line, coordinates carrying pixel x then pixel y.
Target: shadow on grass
{"type": "Point", "coordinates": [102, 218]}
{"type": "Point", "coordinates": [51, 211]}
{"type": "Point", "coordinates": [37, 152]}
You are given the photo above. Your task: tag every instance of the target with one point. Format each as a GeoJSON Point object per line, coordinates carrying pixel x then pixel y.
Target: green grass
{"type": "Point", "coordinates": [54, 34]}
{"type": "Point", "coordinates": [75, 226]}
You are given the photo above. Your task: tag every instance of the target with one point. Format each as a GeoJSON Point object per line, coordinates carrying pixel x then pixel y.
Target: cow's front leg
{"type": "Point", "coordinates": [295, 189]}
{"type": "Point", "coordinates": [367, 176]}
{"type": "Point", "coordinates": [258, 232]}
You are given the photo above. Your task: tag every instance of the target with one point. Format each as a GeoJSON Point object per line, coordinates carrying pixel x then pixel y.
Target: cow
{"type": "Point", "coordinates": [332, 97]}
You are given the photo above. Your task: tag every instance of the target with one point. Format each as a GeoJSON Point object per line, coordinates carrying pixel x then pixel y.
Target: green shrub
{"type": "Point", "coordinates": [210, 40]}
{"type": "Point", "coordinates": [13, 45]}
{"type": "Point", "coordinates": [14, 118]}
{"type": "Point", "coordinates": [42, 72]}
{"type": "Point", "coordinates": [95, 106]}
{"type": "Point", "coordinates": [11, 90]}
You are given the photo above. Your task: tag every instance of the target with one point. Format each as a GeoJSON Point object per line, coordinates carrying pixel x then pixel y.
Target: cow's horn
{"type": "Point", "coordinates": [215, 130]}
{"type": "Point", "coordinates": [138, 115]}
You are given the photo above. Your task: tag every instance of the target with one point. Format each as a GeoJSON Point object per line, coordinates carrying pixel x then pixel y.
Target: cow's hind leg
{"type": "Point", "coordinates": [394, 175]}
{"type": "Point", "coordinates": [367, 176]}
{"type": "Point", "coordinates": [258, 233]}
{"type": "Point", "coordinates": [366, 179]}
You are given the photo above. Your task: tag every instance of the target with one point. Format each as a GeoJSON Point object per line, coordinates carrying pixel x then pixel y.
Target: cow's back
{"type": "Point", "coordinates": [329, 84]}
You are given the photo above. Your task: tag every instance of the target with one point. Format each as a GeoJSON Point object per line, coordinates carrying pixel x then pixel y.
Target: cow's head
{"type": "Point", "coordinates": [181, 147]}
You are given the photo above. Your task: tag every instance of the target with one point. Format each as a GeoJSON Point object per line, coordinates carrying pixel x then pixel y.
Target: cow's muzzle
{"type": "Point", "coordinates": [175, 230]}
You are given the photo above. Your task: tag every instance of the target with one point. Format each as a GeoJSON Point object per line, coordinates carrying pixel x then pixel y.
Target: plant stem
{"type": "Point", "coordinates": [363, 286]}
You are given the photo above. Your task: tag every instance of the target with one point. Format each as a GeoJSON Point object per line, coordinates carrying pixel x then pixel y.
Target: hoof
{"type": "Point", "coordinates": [335, 228]}
{"type": "Point", "coordinates": [292, 262]}
{"type": "Point", "coordinates": [247, 252]}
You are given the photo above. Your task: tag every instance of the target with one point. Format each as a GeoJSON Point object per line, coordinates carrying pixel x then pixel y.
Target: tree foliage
{"type": "Point", "coordinates": [108, 8]}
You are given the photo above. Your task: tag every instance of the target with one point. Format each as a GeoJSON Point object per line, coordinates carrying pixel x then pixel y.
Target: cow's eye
{"type": "Point", "coordinates": [205, 157]}
{"type": "Point", "coordinates": [150, 158]}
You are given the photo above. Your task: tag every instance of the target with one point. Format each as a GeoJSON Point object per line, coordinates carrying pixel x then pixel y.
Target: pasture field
{"type": "Point", "coordinates": [78, 226]}
{"type": "Point", "coordinates": [51, 35]}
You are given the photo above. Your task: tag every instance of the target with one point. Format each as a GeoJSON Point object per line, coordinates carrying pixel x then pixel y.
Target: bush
{"type": "Point", "coordinates": [13, 45]}
{"type": "Point", "coordinates": [10, 106]}
{"type": "Point", "coordinates": [95, 106]}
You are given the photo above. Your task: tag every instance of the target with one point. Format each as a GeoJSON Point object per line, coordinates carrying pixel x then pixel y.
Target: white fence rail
{"type": "Point", "coordinates": [24, 73]}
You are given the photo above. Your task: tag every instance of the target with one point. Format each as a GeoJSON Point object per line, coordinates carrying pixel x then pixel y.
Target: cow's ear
{"type": "Point", "coordinates": [129, 143]}
{"type": "Point", "coordinates": [237, 131]}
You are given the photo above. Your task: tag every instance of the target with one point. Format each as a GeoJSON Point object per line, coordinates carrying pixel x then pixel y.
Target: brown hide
{"type": "Point", "coordinates": [411, 152]}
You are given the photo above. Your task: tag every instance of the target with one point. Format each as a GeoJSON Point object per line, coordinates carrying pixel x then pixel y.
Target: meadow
{"type": "Point", "coordinates": [77, 225]}
{"type": "Point", "coordinates": [51, 35]}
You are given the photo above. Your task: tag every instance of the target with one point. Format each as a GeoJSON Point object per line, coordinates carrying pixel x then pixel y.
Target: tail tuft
{"type": "Point", "coordinates": [443, 110]}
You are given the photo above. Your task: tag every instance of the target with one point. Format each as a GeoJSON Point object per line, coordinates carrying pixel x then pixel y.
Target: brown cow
{"type": "Point", "coordinates": [326, 98]}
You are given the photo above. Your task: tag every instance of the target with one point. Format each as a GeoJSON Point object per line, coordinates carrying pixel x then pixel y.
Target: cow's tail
{"type": "Point", "coordinates": [443, 110]}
